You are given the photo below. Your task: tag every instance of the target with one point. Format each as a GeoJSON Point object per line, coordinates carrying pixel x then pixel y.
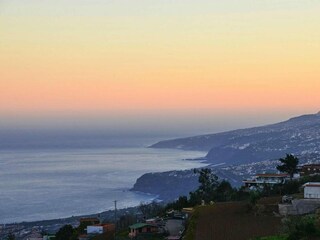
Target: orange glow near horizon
{"type": "Point", "coordinates": [181, 60]}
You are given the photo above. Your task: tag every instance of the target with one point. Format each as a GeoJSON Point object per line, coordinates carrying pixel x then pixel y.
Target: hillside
{"type": "Point", "coordinates": [298, 135]}
{"type": "Point", "coordinates": [233, 221]}
{"type": "Point", "coordinates": [172, 184]}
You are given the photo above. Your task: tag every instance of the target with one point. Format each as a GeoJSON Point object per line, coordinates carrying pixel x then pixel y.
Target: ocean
{"type": "Point", "coordinates": [41, 184]}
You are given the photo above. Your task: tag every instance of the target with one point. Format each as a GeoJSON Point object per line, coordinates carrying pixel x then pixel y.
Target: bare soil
{"type": "Point", "coordinates": [230, 221]}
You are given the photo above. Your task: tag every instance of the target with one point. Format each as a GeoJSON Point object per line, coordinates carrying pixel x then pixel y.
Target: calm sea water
{"type": "Point", "coordinates": [48, 184]}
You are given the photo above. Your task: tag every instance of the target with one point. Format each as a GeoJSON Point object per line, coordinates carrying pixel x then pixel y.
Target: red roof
{"type": "Point", "coordinates": [311, 165]}
{"type": "Point", "coordinates": [103, 224]}
{"type": "Point", "coordinates": [312, 184]}
{"type": "Point", "coordinates": [272, 175]}
{"type": "Point", "coordinates": [249, 181]}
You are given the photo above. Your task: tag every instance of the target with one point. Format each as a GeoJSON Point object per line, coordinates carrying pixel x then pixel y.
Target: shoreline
{"type": "Point", "coordinates": [51, 226]}
{"type": "Point", "coordinates": [147, 157]}
{"type": "Point", "coordinates": [104, 215]}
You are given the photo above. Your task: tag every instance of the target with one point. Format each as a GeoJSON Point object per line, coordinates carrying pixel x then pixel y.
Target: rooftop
{"type": "Point", "coordinates": [312, 184]}
{"type": "Point", "coordinates": [140, 225]}
{"type": "Point", "coordinates": [311, 165]}
{"type": "Point", "coordinates": [102, 224]}
{"type": "Point", "coordinates": [249, 181]}
{"type": "Point", "coordinates": [272, 175]}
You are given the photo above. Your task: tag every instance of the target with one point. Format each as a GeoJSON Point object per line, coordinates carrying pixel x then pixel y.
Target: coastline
{"type": "Point", "coordinates": [53, 225]}
{"type": "Point", "coordinates": [86, 182]}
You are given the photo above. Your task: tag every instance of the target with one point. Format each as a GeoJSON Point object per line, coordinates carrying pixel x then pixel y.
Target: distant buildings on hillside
{"type": "Point", "coordinates": [262, 179]}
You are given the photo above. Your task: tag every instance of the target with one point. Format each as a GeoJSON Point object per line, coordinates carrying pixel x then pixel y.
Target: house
{"type": "Point", "coordinates": [312, 190]}
{"type": "Point", "coordinates": [309, 169]}
{"type": "Point", "coordinates": [309, 204]}
{"type": "Point", "coordinates": [152, 221]}
{"type": "Point", "coordinates": [187, 212]}
{"type": "Point", "coordinates": [259, 180]}
{"type": "Point", "coordinates": [100, 228]}
{"type": "Point", "coordinates": [142, 228]}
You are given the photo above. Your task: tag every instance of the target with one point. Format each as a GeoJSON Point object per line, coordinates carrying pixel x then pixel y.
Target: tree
{"type": "Point", "coordinates": [150, 209]}
{"type": "Point", "coordinates": [289, 165]}
{"type": "Point", "coordinates": [208, 184]}
{"type": "Point", "coordinates": [11, 236]}
{"type": "Point", "coordinates": [224, 192]}
{"type": "Point", "coordinates": [67, 232]}
{"type": "Point", "coordinates": [298, 227]}
{"type": "Point", "coordinates": [181, 202]}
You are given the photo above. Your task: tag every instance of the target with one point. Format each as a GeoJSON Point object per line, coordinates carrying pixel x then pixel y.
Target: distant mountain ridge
{"type": "Point", "coordinates": [298, 135]}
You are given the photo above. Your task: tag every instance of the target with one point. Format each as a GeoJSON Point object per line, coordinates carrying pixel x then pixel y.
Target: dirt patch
{"type": "Point", "coordinates": [225, 221]}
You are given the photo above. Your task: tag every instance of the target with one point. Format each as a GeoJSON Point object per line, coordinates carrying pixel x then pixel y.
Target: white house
{"type": "Point", "coordinates": [312, 190]}
{"type": "Point", "coordinates": [100, 228]}
{"type": "Point", "coordinates": [259, 180]}
{"type": "Point", "coordinates": [95, 229]}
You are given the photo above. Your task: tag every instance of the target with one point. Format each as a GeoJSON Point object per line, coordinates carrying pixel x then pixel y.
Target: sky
{"type": "Point", "coordinates": [189, 66]}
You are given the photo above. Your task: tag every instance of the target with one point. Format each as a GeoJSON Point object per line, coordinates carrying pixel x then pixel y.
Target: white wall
{"type": "Point", "coordinates": [311, 192]}
{"type": "Point", "coordinates": [94, 229]}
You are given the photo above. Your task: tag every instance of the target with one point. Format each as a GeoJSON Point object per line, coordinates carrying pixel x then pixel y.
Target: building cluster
{"type": "Point", "coordinates": [262, 179]}
{"type": "Point", "coordinates": [310, 201]}
{"type": "Point", "coordinates": [308, 204]}
{"type": "Point", "coordinates": [95, 227]}
{"type": "Point", "coordinates": [173, 225]}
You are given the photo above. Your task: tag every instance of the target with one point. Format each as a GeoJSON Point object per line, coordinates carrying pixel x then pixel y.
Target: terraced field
{"type": "Point", "coordinates": [229, 221]}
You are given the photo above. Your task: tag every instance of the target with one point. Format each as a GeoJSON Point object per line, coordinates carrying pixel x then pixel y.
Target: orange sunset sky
{"type": "Point", "coordinates": [137, 57]}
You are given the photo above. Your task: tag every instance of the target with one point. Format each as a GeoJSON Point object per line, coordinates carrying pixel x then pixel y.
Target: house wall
{"type": "Point", "coordinates": [132, 233]}
{"type": "Point", "coordinates": [94, 229]}
{"type": "Point", "coordinates": [310, 169]}
{"type": "Point", "coordinates": [271, 180]}
{"type": "Point", "coordinates": [311, 192]}
{"type": "Point", "coordinates": [135, 232]}
{"type": "Point", "coordinates": [151, 221]}
{"type": "Point", "coordinates": [299, 207]}
{"type": "Point", "coordinates": [109, 227]}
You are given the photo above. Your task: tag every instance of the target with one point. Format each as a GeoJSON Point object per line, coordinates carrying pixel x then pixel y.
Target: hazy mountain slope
{"type": "Point", "coordinates": [172, 184]}
{"type": "Point", "coordinates": [297, 135]}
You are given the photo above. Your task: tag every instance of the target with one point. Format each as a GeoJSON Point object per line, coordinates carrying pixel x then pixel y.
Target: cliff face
{"type": "Point", "coordinates": [299, 135]}
{"type": "Point", "coordinates": [239, 153]}
{"type": "Point", "coordinates": [167, 185]}
{"type": "Point", "coordinates": [170, 185]}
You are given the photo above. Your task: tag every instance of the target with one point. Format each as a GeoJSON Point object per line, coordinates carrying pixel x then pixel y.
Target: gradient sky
{"type": "Point", "coordinates": [181, 62]}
